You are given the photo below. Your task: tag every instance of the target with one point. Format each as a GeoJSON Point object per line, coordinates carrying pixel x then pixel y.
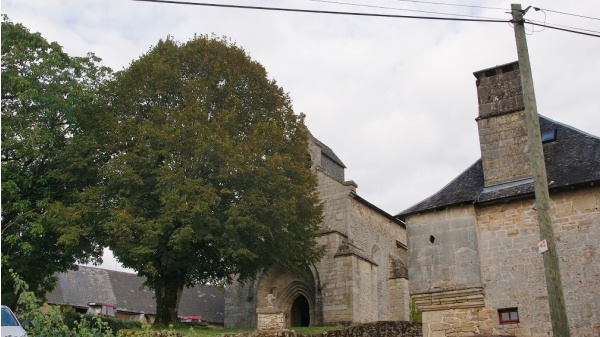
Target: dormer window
{"type": "Point", "coordinates": [549, 136]}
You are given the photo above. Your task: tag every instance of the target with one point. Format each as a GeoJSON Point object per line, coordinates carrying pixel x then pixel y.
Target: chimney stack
{"type": "Point", "coordinates": [502, 126]}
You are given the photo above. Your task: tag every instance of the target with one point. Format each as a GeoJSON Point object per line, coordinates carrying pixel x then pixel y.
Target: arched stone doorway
{"type": "Point", "coordinates": [297, 296]}
{"type": "Point", "coordinates": [300, 312]}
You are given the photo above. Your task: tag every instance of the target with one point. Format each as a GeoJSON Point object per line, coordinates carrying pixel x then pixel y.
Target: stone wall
{"type": "Point", "coordinates": [240, 305]}
{"type": "Point", "coordinates": [376, 329]}
{"type": "Point", "coordinates": [356, 281]}
{"type": "Point", "coordinates": [502, 126]}
{"type": "Point", "coordinates": [364, 288]}
{"type": "Point", "coordinates": [336, 281]}
{"type": "Point", "coordinates": [377, 236]}
{"type": "Point", "coordinates": [270, 319]}
{"type": "Point", "coordinates": [512, 270]}
{"type": "Point", "coordinates": [443, 251]}
{"type": "Point", "coordinates": [499, 90]}
{"type": "Point", "coordinates": [462, 322]}
{"type": "Point", "coordinates": [504, 148]}
{"type": "Point", "coordinates": [335, 273]}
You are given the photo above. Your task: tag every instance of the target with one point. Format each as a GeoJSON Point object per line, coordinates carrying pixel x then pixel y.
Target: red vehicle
{"type": "Point", "coordinates": [191, 320]}
{"type": "Point", "coordinates": [101, 309]}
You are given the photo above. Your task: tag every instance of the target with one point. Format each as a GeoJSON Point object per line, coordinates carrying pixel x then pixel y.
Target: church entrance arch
{"type": "Point", "coordinates": [296, 296]}
{"type": "Point", "coordinates": [300, 312]}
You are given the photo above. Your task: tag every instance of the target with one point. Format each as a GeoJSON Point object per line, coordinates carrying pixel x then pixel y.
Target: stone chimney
{"type": "Point", "coordinates": [502, 126]}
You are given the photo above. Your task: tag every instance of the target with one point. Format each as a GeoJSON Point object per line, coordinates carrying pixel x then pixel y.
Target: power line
{"type": "Point", "coordinates": [454, 5]}
{"type": "Point", "coordinates": [577, 15]}
{"type": "Point", "coordinates": [562, 29]}
{"type": "Point", "coordinates": [176, 2]}
{"type": "Point", "coordinates": [563, 26]}
{"type": "Point", "coordinates": [399, 9]}
{"type": "Point", "coordinates": [321, 12]}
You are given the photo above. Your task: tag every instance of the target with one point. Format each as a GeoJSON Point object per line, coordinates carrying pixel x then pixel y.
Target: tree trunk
{"type": "Point", "coordinates": [168, 291]}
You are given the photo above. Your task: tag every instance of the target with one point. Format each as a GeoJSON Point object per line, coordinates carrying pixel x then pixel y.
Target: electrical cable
{"type": "Point", "coordinates": [454, 5]}
{"type": "Point", "coordinates": [321, 12]}
{"type": "Point", "coordinates": [364, 14]}
{"type": "Point", "coordinates": [563, 26]}
{"type": "Point", "coordinates": [400, 9]}
{"type": "Point", "coordinates": [577, 15]}
{"type": "Point", "coordinates": [562, 29]}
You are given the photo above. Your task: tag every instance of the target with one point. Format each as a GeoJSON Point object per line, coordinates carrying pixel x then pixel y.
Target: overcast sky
{"type": "Point", "coordinates": [394, 98]}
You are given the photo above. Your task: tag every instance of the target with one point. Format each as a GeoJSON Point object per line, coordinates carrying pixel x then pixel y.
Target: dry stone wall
{"type": "Point", "coordinates": [376, 329]}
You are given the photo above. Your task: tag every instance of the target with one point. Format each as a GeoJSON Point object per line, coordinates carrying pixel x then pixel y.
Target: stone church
{"type": "Point", "coordinates": [361, 278]}
{"type": "Point", "coordinates": [475, 265]}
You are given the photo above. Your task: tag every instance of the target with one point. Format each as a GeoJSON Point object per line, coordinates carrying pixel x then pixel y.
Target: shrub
{"type": "Point", "coordinates": [416, 315]}
{"type": "Point", "coordinates": [48, 320]}
{"type": "Point", "coordinates": [114, 324]}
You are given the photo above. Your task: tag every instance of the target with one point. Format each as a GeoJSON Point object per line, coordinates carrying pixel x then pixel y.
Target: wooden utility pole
{"type": "Point", "coordinates": [556, 300]}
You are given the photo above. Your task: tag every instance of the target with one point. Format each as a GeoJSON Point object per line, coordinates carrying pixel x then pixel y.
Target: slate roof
{"type": "Point", "coordinates": [572, 160]}
{"type": "Point", "coordinates": [125, 290]}
{"type": "Point", "coordinates": [327, 151]}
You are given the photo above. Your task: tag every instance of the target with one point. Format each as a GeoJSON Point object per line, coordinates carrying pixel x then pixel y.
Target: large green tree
{"type": "Point", "coordinates": [211, 172]}
{"type": "Point", "coordinates": [50, 158]}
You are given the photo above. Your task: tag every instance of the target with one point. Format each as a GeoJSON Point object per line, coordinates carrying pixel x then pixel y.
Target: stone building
{"type": "Point", "coordinates": [362, 277]}
{"type": "Point", "coordinates": [475, 267]}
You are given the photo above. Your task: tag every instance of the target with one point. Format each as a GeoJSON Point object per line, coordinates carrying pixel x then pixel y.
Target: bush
{"type": "Point", "coordinates": [416, 315]}
{"type": "Point", "coordinates": [58, 321]}
{"type": "Point", "coordinates": [114, 324]}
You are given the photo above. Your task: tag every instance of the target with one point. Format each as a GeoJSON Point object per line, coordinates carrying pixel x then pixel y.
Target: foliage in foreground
{"type": "Point", "coordinates": [210, 172]}
{"type": "Point", "coordinates": [48, 320]}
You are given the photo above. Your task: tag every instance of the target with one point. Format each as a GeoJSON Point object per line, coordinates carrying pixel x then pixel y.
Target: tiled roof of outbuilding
{"type": "Point", "coordinates": [125, 291]}
{"type": "Point", "coordinates": [573, 159]}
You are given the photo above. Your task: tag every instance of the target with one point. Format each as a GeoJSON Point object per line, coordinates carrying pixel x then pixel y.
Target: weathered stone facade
{"type": "Point", "coordinates": [512, 270]}
{"type": "Point", "coordinates": [362, 277]}
{"type": "Point", "coordinates": [473, 246]}
{"type": "Point", "coordinates": [502, 126]}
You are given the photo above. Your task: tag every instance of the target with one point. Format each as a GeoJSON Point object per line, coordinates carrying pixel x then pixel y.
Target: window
{"type": "Point", "coordinates": [508, 315]}
{"type": "Point", "coordinates": [549, 136]}
{"type": "Point", "coordinates": [8, 318]}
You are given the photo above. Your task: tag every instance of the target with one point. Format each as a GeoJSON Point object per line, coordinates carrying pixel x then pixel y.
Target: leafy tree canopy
{"type": "Point", "coordinates": [49, 158]}
{"type": "Point", "coordinates": [211, 174]}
